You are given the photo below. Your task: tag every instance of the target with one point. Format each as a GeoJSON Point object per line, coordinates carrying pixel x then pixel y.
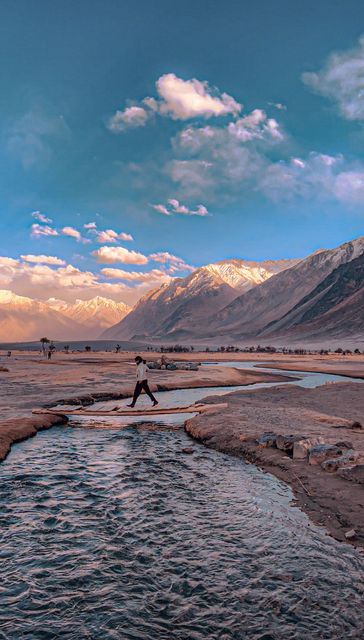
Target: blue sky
{"type": "Point", "coordinates": [203, 130]}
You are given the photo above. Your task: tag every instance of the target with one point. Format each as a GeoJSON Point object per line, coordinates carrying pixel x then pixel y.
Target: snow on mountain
{"type": "Point", "coordinates": [184, 304]}
{"type": "Point", "coordinates": [262, 308]}
{"type": "Point", "coordinates": [98, 313]}
{"type": "Point", "coordinates": [22, 318]}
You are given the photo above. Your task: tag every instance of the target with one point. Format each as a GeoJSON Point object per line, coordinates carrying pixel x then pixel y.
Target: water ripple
{"type": "Point", "coordinates": [117, 535]}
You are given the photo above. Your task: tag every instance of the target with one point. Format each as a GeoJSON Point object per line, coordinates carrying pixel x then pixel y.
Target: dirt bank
{"type": "Point", "coordinates": [18, 429]}
{"type": "Point", "coordinates": [328, 412]}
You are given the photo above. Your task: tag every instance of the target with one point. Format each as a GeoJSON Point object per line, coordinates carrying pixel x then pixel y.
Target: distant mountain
{"type": "Point", "coordinates": [335, 308]}
{"type": "Point", "coordinates": [95, 314]}
{"type": "Point", "coordinates": [277, 303]}
{"type": "Point", "coordinates": [181, 307]}
{"type": "Point", "coordinates": [22, 318]}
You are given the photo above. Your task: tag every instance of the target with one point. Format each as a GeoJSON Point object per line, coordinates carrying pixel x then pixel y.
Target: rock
{"type": "Point", "coordinates": [345, 459]}
{"type": "Point", "coordinates": [267, 440]}
{"type": "Point", "coordinates": [153, 365]}
{"type": "Point", "coordinates": [344, 444]}
{"type": "Point", "coordinates": [285, 443]}
{"type": "Point", "coordinates": [321, 452]}
{"type": "Point", "coordinates": [354, 473]}
{"type": "Point", "coordinates": [171, 366]}
{"type": "Point", "coordinates": [356, 425]}
{"type": "Point", "coordinates": [187, 450]}
{"type": "Point", "coordinates": [302, 447]}
{"type": "Point", "coordinates": [350, 534]}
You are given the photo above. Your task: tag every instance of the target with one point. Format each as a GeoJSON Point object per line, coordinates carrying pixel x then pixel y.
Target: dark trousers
{"type": "Point", "coordinates": [139, 388]}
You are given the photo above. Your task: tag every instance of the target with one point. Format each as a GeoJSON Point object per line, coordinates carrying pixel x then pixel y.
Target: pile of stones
{"type": "Point", "coordinates": [339, 457]}
{"type": "Point", "coordinates": [174, 366]}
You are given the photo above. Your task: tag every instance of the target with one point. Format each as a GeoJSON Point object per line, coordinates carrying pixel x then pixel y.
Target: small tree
{"type": "Point", "coordinates": [43, 342]}
{"type": "Point", "coordinates": [87, 347]}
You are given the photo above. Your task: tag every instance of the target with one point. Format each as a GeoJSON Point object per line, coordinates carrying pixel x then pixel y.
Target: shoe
{"type": "Point", "coordinates": [131, 406]}
{"type": "Point", "coordinates": [155, 403]}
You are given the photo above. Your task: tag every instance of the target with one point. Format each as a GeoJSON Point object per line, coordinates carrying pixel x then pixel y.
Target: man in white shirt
{"type": "Point", "coordinates": [142, 382]}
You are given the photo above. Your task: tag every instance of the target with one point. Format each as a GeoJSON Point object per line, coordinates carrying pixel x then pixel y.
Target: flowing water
{"type": "Point", "coordinates": [116, 533]}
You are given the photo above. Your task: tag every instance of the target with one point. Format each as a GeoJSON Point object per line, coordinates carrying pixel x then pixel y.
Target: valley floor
{"type": "Point", "coordinates": [333, 501]}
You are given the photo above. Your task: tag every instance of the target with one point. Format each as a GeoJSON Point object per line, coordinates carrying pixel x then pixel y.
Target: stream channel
{"type": "Point", "coordinates": [115, 533]}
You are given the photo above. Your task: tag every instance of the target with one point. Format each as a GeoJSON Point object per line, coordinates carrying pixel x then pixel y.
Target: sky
{"type": "Point", "coordinates": [142, 139]}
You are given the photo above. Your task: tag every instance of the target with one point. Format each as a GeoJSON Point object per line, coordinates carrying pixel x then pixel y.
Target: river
{"type": "Point", "coordinates": [116, 533]}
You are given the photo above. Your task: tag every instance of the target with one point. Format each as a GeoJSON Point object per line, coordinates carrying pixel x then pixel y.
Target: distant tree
{"type": "Point", "coordinates": [44, 342]}
{"type": "Point", "coordinates": [339, 350]}
{"type": "Point", "coordinates": [117, 348]}
{"type": "Point", "coordinates": [87, 347]}
{"type": "Point", "coordinates": [357, 351]}
{"type": "Point", "coordinates": [66, 348]}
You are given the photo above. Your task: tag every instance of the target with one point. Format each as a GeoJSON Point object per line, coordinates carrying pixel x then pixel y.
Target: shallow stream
{"type": "Point", "coordinates": [116, 533]}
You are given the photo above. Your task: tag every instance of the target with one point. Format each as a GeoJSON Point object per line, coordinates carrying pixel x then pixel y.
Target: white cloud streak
{"type": "Point", "coordinates": [175, 207]}
{"type": "Point", "coordinates": [342, 80]}
{"type": "Point", "coordinates": [42, 259]}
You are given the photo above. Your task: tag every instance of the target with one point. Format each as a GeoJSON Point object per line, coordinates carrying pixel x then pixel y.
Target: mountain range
{"type": "Point", "coordinates": [181, 307]}
{"type": "Point", "coordinates": [315, 298]}
{"type": "Point", "coordinates": [311, 300]}
{"type": "Point", "coordinates": [23, 319]}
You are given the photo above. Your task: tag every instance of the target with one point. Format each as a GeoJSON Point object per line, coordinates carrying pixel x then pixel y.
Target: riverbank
{"type": "Point", "coordinates": [32, 381]}
{"type": "Point", "coordinates": [326, 412]}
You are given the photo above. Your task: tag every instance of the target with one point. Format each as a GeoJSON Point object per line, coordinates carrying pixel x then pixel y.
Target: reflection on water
{"type": "Point", "coordinates": [117, 534]}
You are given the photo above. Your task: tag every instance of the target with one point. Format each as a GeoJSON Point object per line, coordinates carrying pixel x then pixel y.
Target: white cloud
{"type": "Point", "coordinates": [278, 105]}
{"type": "Point", "coordinates": [349, 187]}
{"type": "Point", "coordinates": [178, 99]}
{"type": "Point", "coordinates": [184, 99]}
{"type": "Point", "coordinates": [41, 218]}
{"type": "Point", "coordinates": [38, 230]}
{"type": "Point", "coordinates": [89, 225]}
{"type": "Point", "coordinates": [175, 263]}
{"type": "Point", "coordinates": [256, 125]}
{"type": "Point", "coordinates": [42, 259]}
{"type": "Point", "coordinates": [174, 206]}
{"type": "Point", "coordinates": [131, 117]}
{"type": "Point", "coordinates": [341, 80]}
{"type": "Point", "coordinates": [154, 275]}
{"type": "Point", "coordinates": [74, 233]}
{"type": "Point", "coordinates": [109, 235]}
{"type": "Point", "coordinates": [110, 255]}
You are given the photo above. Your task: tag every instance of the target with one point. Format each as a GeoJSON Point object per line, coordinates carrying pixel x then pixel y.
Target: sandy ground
{"type": "Point", "coordinates": [31, 381]}
{"type": "Point", "coordinates": [327, 411]}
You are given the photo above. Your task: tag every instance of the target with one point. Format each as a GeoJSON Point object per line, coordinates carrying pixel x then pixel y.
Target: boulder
{"type": "Point", "coordinates": [171, 366]}
{"type": "Point", "coordinates": [301, 447]}
{"type": "Point", "coordinates": [346, 458]}
{"type": "Point", "coordinates": [354, 473]}
{"type": "Point", "coordinates": [267, 440]}
{"type": "Point", "coordinates": [153, 365]}
{"type": "Point", "coordinates": [349, 535]}
{"type": "Point", "coordinates": [321, 452]}
{"type": "Point", "coordinates": [286, 442]}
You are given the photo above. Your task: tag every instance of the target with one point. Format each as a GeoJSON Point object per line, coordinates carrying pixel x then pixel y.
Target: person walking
{"type": "Point", "coordinates": [142, 382]}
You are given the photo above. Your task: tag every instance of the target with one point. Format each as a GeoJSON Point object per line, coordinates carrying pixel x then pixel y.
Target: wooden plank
{"type": "Point", "coordinates": [196, 408]}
